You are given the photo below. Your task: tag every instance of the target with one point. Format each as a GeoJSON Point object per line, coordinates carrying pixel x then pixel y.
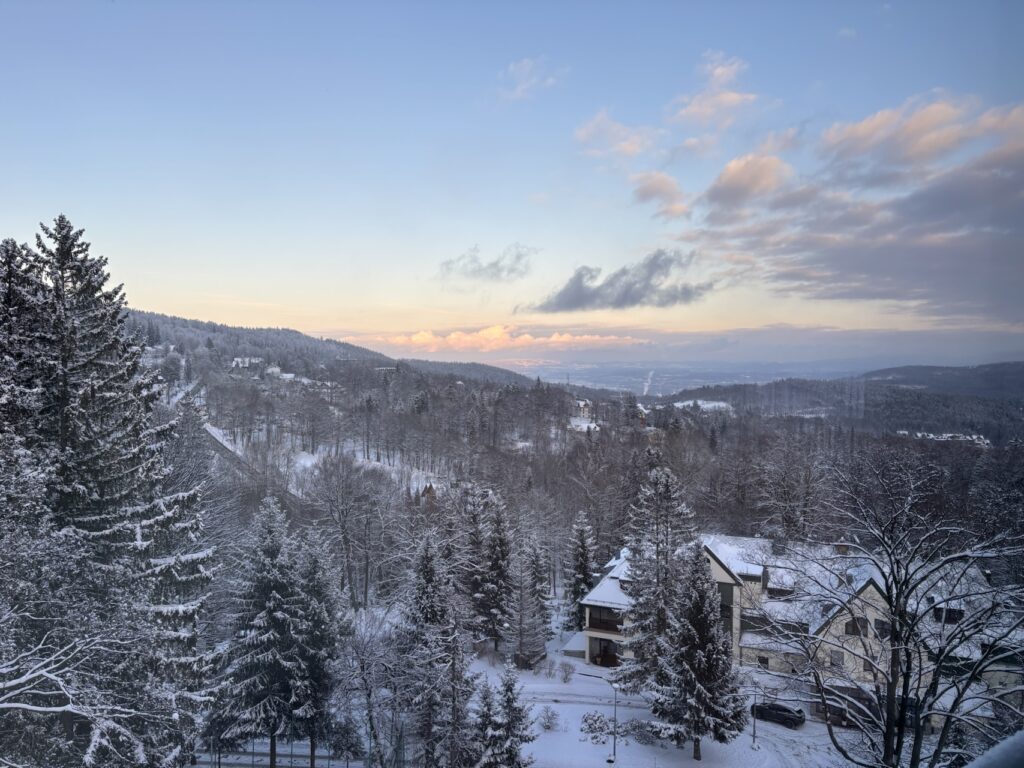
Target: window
{"type": "Point", "coordinates": [857, 627]}
{"type": "Point", "coordinates": [947, 615]}
{"type": "Point", "coordinates": [883, 628]}
{"type": "Point", "coordinates": [762, 662]}
{"type": "Point", "coordinates": [837, 658]}
{"type": "Point", "coordinates": [868, 666]}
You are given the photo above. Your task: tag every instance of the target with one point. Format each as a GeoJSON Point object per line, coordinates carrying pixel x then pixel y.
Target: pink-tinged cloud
{"type": "Point", "coordinates": [747, 177]}
{"type": "Point", "coordinates": [718, 102]}
{"type": "Point", "coordinates": [659, 187]}
{"type": "Point", "coordinates": [601, 135]}
{"type": "Point", "coordinates": [500, 337]}
{"type": "Point", "coordinates": [920, 131]}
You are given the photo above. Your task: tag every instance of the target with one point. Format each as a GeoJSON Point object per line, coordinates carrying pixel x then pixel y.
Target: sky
{"type": "Point", "coordinates": [527, 182]}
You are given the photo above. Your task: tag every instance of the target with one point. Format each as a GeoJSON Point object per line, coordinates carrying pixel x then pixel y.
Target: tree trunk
{"type": "Point", "coordinates": [696, 749]}
{"type": "Point", "coordinates": [312, 751]}
{"type": "Point", "coordinates": [273, 749]}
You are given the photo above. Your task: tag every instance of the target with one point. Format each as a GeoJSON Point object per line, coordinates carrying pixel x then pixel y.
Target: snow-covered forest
{"type": "Point", "coordinates": [223, 544]}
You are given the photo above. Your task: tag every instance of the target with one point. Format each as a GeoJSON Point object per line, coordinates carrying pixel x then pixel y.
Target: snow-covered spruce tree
{"type": "Point", "coordinates": [661, 526]}
{"type": "Point", "coordinates": [579, 573]}
{"type": "Point", "coordinates": [49, 635]}
{"type": "Point", "coordinates": [526, 624]}
{"type": "Point", "coordinates": [319, 610]}
{"type": "Point", "coordinates": [486, 729]}
{"type": "Point", "coordinates": [540, 581]}
{"type": "Point", "coordinates": [94, 428]}
{"type": "Point", "coordinates": [697, 694]}
{"type": "Point", "coordinates": [181, 564]}
{"type": "Point", "coordinates": [513, 722]}
{"type": "Point", "coordinates": [496, 584]}
{"type": "Point", "coordinates": [267, 671]}
{"type": "Point", "coordinates": [22, 357]}
{"type": "Point", "coordinates": [439, 684]}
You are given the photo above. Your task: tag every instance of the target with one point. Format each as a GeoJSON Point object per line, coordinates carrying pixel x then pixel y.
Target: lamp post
{"type": "Point", "coordinates": [615, 715]}
{"type": "Point", "coordinates": [753, 717]}
{"type": "Point", "coordinates": [615, 721]}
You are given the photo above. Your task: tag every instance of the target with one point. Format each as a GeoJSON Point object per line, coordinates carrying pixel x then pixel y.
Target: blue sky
{"type": "Point", "coordinates": [663, 181]}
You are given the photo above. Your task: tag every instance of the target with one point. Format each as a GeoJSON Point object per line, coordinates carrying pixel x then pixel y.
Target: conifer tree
{"type": "Point", "coordinates": [513, 722]}
{"type": "Point", "coordinates": [267, 663]}
{"type": "Point", "coordinates": [318, 604]}
{"type": "Point", "coordinates": [181, 565]}
{"type": "Point", "coordinates": [93, 426]}
{"type": "Point", "coordinates": [579, 575]}
{"type": "Point", "coordinates": [440, 684]}
{"type": "Point", "coordinates": [698, 693]}
{"type": "Point", "coordinates": [526, 627]}
{"type": "Point", "coordinates": [496, 586]}
{"type": "Point", "coordinates": [487, 730]}
{"type": "Point", "coordinates": [661, 526]}
{"type": "Point", "coordinates": [539, 581]}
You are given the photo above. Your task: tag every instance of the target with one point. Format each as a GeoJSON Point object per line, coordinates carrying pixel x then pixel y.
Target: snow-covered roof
{"type": "Point", "coordinates": [608, 592]}
{"type": "Point", "coordinates": [743, 555]}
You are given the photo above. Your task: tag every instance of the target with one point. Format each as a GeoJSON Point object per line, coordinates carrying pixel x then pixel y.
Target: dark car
{"type": "Point", "coordinates": [778, 713]}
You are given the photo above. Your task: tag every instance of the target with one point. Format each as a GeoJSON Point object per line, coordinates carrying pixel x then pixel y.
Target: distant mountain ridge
{"type": "Point", "coordinates": [993, 380]}
{"type": "Point", "coordinates": [299, 352]}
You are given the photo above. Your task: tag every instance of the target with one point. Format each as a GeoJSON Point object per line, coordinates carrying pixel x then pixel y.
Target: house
{"type": "Point", "coordinates": [583, 409]}
{"type": "Point", "coordinates": [246, 362]}
{"type": "Point", "coordinates": [605, 605]}
{"type": "Point", "coordinates": [778, 625]}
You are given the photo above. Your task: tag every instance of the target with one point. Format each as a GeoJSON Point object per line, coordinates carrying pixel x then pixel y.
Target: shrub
{"type": "Point", "coordinates": [568, 669]}
{"type": "Point", "coordinates": [548, 719]}
{"type": "Point", "coordinates": [549, 667]}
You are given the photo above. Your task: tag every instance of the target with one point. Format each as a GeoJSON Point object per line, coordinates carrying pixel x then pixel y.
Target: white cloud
{"type": "Point", "coordinates": [718, 102]}
{"type": "Point", "coordinates": [523, 78]}
{"type": "Point", "coordinates": [601, 135]}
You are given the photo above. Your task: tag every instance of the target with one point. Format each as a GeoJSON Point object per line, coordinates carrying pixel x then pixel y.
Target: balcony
{"type": "Point", "coordinates": [604, 624]}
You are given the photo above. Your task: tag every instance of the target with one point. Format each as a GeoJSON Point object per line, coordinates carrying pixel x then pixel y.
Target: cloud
{"type": "Point", "coordinates": [919, 131]}
{"type": "Point", "coordinates": [718, 102]}
{"type": "Point", "coordinates": [512, 264]}
{"type": "Point", "coordinates": [848, 33]}
{"type": "Point", "coordinates": [649, 282]}
{"type": "Point", "coordinates": [523, 78]}
{"type": "Point", "coordinates": [655, 186]}
{"type": "Point", "coordinates": [746, 177]}
{"type": "Point", "coordinates": [779, 141]}
{"type": "Point", "coordinates": [602, 135]}
{"type": "Point", "coordinates": [500, 337]}
{"type": "Point", "coordinates": [941, 236]}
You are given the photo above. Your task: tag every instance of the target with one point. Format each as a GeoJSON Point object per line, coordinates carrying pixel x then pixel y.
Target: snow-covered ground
{"type": "Point", "coordinates": [589, 691]}
{"type": "Point", "coordinates": [704, 405]}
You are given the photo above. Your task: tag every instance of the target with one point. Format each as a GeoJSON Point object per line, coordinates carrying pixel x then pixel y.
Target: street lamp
{"type": "Point", "coordinates": [615, 715]}
{"type": "Point", "coordinates": [615, 721]}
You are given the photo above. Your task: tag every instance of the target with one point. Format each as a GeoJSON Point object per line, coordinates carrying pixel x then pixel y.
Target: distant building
{"type": "Point", "coordinates": [246, 362]}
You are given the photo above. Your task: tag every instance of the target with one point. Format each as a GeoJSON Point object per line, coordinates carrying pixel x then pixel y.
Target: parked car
{"type": "Point", "coordinates": [790, 717]}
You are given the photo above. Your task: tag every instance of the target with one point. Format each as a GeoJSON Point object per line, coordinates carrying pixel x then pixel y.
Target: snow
{"type": "Point", "coordinates": [743, 555]}
{"type": "Point", "coordinates": [705, 405]}
{"type": "Point", "coordinates": [581, 424]}
{"type": "Point", "coordinates": [608, 592]}
{"type": "Point", "coordinates": [1005, 754]}
{"type": "Point", "coordinates": [577, 643]}
{"type": "Point", "coordinates": [590, 691]}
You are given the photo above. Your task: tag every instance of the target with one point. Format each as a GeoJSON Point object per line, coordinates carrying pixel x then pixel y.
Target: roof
{"type": "Point", "coordinates": [608, 592]}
